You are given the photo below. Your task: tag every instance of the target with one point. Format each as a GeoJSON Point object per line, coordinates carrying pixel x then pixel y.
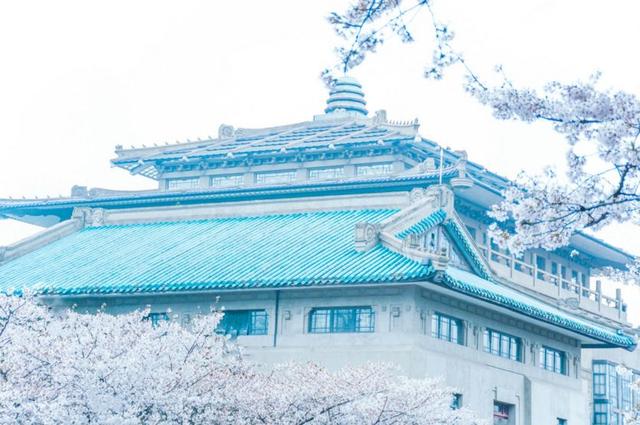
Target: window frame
{"type": "Point", "coordinates": [490, 335]}
{"type": "Point", "coordinates": [327, 320]}
{"type": "Point", "coordinates": [262, 178]}
{"type": "Point", "coordinates": [193, 183]}
{"type": "Point", "coordinates": [438, 320]}
{"type": "Point", "coordinates": [248, 326]}
{"type": "Point", "coordinates": [557, 356]}
{"type": "Point", "coordinates": [502, 410]}
{"type": "Point", "coordinates": [385, 168]}
{"type": "Point", "coordinates": [456, 401]}
{"type": "Point", "coordinates": [338, 173]}
{"type": "Point", "coordinates": [235, 179]}
{"type": "Point", "coordinates": [157, 317]}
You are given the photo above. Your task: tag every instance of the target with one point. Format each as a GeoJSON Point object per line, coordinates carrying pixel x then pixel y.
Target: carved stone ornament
{"type": "Point", "coordinates": [428, 165]}
{"type": "Point", "coordinates": [380, 117]}
{"type": "Point", "coordinates": [571, 302]}
{"type": "Point", "coordinates": [366, 236]}
{"type": "Point", "coordinates": [441, 261]}
{"type": "Point", "coordinates": [416, 195]}
{"type": "Point", "coordinates": [97, 217]}
{"type": "Point", "coordinates": [89, 216]}
{"type": "Point", "coordinates": [226, 131]}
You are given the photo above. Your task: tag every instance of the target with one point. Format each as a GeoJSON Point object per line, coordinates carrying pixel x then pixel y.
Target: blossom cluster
{"type": "Point", "coordinates": [64, 367]}
{"type": "Point", "coordinates": [602, 128]}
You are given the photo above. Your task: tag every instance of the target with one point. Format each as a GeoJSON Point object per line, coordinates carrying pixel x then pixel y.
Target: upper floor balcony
{"type": "Point", "coordinates": [575, 292]}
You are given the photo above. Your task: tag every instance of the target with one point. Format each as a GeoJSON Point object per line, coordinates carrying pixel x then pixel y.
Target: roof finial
{"type": "Point", "coordinates": [346, 95]}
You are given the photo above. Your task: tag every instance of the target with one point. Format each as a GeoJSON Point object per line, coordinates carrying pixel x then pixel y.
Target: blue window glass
{"type": "Point", "coordinates": [553, 360]}
{"type": "Point", "coordinates": [600, 413]}
{"type": "Point", "coordinates": [612, 387]}
{"type": "Point", "coordinates": [243, 322]}
{"type": "Point", "coordinates": [447, 328]}
{"type": "Point", "coordinates": [157, 318]}
{"type": "Point", "coordinates": [503, 345]}
{"type": "Point", "coordinates": [561, 421]}
{"type": "Point", "coordinates": [599, 380]}
{"type": "Point", "coordinates": [501, 412]}
{"type": "Point", "coordinates": [541, 265]}
{"type": "Point", "coordinates": [613, 393]}
{"type": "Point", "coordinates": [341, 320]}
{"type": "Point", "coordinates": [456, 401]}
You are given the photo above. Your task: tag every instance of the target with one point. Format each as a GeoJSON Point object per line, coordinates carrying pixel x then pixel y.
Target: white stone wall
{"type": "Point", "coordinates": [540, 396]}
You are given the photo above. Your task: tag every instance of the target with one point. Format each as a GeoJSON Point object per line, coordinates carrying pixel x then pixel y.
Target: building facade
{"type": "Point", "coordinates": [345, 239]}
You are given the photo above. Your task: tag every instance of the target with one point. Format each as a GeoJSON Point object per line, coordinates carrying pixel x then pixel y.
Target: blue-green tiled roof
{"type": "Point", "coordinates": [266, 251]}
{"type": "Point", "coordinates": [470, 284]}
{"type": "Point", "coordinates": [467, 249]}
{"type": "Point", "coordinates": [424, 225]}
{"type": "Point", "coordinates": [283, 250]}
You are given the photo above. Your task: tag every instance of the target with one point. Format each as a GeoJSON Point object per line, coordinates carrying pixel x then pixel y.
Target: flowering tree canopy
{"type": "Point", "coordinates": [601, 127]}
{"type": "Point", "coordinates": [72, 368]}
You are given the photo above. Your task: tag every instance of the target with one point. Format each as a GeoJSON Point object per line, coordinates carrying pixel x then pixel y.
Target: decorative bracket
{"type": "Point", "coordinates": [89, 217]}
{"type": "Point", "coordinates": [366, 236]}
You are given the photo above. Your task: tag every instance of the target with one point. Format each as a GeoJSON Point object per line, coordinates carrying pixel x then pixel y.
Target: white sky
{"type": "Point", "coordinates": [78, 77]}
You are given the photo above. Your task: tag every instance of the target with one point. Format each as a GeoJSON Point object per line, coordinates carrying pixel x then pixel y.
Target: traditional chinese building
{"type": "Point", "coordinates": [343, 239]}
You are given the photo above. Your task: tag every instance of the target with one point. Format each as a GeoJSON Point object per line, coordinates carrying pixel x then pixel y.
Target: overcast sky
{"type": "Point", "coordinates": [78, 78]}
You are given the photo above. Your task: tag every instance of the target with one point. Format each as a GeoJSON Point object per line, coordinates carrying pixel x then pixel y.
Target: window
{"type": "Point", "coordinates": [554, 272]}
{"type": "Point", "coordinates": [276, 177]}
{"type": "Point", "coordinates": [600, 413]}
{"type": "Point", "coordinates": [456, 401]}
{"type": "Point", "coordinates": [156, 318]}
{"type": "Point", "coordinates": [584, 282]}
{"type": "Point", "coordinates": [599, 380]}
{"type": "Point", "coordinates": [613, 393]}
{"type": "Point", "coordinates": [447, 328]}
{"type": "Point", "coordinates": [374, 169]}
{"type": "Point", "coordinates": [503, 345]}
{"type": "Point", "coordinates": [541, 265]}
{"type": "Point", "coordinates": [502, 413]}
{"type": "Point", "coordinates": [553, 360]}
{"type": "Point", "coordinates": [230, 180]}
{"type": "Point", "coordinates": [341, 319]}
{"type": "Point", "coordinates": [327, 173]}
{"type": "Point", "coordinates": [563, 275]}
{"type": "Point", "coordinates": [188, 183]}
{"type": "Point", "coordinates": [243, 322]}
{"type": "Point", "coordinates": [561, 421]}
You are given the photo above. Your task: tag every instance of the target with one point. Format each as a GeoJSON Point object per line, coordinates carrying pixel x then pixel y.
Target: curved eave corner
{"type": "Point", "coordinates": [610, 339]}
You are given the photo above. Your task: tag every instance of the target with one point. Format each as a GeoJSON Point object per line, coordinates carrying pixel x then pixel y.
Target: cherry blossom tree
{"type": "Point", "coordinates": [601, 126]}
{"type": "Point", "coordinates": [71, 368]}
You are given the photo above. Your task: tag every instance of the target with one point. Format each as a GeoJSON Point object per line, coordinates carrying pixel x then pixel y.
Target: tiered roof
{"type": "Point", "coordinates": [315, 248]}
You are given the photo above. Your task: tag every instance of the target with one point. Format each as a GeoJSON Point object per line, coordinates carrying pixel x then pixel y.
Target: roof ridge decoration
{"type": "Point", "coordinates": [427, 231]}
{"type": "Point", "coordinates": [346, 95]}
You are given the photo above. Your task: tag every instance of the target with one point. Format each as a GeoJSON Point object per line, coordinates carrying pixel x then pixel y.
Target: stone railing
{"type": "Point", "coordinates": [556, 286]}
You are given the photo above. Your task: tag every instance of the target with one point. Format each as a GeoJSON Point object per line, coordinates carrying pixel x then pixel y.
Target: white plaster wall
{"type": "Point", "coordinates": [539, 396]}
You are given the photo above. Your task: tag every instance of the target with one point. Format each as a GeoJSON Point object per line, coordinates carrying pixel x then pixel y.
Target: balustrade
{"type": "Point", "coordinates": [521, 272]}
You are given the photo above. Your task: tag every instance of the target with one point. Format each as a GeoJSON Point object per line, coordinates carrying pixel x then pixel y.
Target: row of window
{"type": "Point", "coordinates": [497, 343]}
{"type": "Point", "coordinates": [361, 319]}
{"type": "Point", "coordinates": [280, 177]}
